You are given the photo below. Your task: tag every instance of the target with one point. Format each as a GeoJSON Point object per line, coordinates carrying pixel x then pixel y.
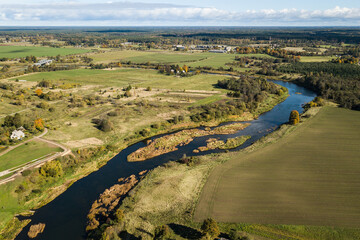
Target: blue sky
{"type": "Point", "coordinates": [181, 13]}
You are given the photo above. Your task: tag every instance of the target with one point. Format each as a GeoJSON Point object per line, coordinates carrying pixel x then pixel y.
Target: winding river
{"type": "Point", "coordinates": [65, 217]}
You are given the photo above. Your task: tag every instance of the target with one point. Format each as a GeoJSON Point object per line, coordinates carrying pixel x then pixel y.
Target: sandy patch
{"type": "Point", "coordinates": [84, 143]}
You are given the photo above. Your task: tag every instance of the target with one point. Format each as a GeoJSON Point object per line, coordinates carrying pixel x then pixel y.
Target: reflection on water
{"type": "Point", "coordinates": [65, 217]}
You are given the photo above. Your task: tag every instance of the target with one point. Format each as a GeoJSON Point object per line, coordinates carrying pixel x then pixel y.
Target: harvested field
{"type": "Point", "coordinates": [309, 177]}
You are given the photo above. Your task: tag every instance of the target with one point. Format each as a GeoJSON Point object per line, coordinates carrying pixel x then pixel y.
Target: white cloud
{"type": "Point", "coordinates": [68, 13]}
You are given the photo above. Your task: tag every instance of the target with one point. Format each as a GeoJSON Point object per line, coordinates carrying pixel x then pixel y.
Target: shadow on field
{"type": "Point", "coordinates": [185, 232]}
{"type": "Point", "coordinates": [128, 236]}
{"type": "Point", "coordinates": [146, 232]}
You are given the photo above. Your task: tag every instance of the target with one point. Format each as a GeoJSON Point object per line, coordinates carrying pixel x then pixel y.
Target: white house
{"type": "Point", "coordinates": [17, 134]}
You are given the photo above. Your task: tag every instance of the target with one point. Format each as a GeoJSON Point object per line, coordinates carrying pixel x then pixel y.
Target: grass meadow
{"type": "Point", "coordinates": [21, 51]}
{"type": "Point", "coordinates": [25, 153]}
{"type": "Point", "coordinates": [124, 77]}
{"type": "Point", "coordinates": [202, 59]}
{"type": "Point", "coordinates": [316, 58]}
{"type": "Point", "coordinates": [309, 177]}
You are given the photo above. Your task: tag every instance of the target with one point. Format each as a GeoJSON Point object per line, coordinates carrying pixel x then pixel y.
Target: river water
{"type": "Point", "coordinates": [65, 217]}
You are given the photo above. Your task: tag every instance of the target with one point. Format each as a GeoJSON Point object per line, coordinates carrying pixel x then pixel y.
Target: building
{"type": "Point", "coordinates": [43, 62]}
{"type": "Point", "coordinates": [17, 134]}
{"type": "Point", "coordinates": [218, 51]}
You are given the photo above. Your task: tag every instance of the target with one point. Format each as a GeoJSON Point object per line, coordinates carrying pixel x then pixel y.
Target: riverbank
{"type": "Point", "coordinates": [182, 186]}
{"type": "Point", "coordinates": [49, 190]}
{"type": "Point", "coordinates": [169, 194]}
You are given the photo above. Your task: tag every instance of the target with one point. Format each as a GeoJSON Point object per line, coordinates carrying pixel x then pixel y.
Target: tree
{"type": "Point", "coordinates": [39, 124]}
{"type": "Point", "coordinates": [162, 232]}
{"type": "Point", "coordinates": [17, 120]}
{"type": "Point", "coordinates": [51, 169]}
{"type": "Point", "coordinates": [210, 228]}
{"type": "Point", "coordinates": [294, 117]}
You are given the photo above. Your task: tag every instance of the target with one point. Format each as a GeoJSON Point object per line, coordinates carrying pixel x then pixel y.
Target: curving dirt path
{"type": "Point", "coordinates": [34, 163]}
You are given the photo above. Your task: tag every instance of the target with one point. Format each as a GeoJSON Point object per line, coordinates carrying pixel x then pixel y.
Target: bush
{"type": "Point", "coordinates": [44, 84]}
{"type": "Point", "coordinates": [105, 125]}
{"type": "Point", "coordinates": [145, 132]}
{"type": "Point", "coordinates": [294, 117]}
{"type": "Point", "coordinates": [238, 235]}
{"type": "Point", "coordinates": [26, 172]}
{"type": "Point", "coordinates": [119, 215]}
{"type": "Point", "coordinates": [162, 232]}
{"type": "Point", "coordinates": [51, 169]}
{"type": "Point", "coordinates": [210, 228]}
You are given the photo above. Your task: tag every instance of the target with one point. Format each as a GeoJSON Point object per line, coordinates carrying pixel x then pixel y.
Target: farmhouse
{"type": "Point", "coordinates": [17, 134]}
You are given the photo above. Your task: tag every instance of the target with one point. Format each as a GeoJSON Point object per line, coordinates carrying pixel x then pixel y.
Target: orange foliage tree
{"type": "Point", "coordinates": [39, 124]}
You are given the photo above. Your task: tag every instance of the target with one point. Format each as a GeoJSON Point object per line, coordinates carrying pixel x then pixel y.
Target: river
{"type": "Point", "coordinates": [65, 217]}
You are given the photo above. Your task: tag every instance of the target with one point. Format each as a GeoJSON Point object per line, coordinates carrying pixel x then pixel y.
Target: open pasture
{"type": "Point", "coordinates": [124, 77]}
{"type": "Point", "coordinates": [203, 59]}
{"type": "Point", "coordinates": [23, 51]}
{"type": "Point", "coordinates": [316, 59]}
{"type": "Point", "coordinates": [25, 153]}
{"type": "Point", "coordinates": [309, 177]}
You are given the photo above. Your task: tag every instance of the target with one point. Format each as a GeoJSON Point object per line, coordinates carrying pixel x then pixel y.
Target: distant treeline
{"type": "Point", "coordinates": [343, 70]}
{"type": "Point", "coordinates": [337, 82]}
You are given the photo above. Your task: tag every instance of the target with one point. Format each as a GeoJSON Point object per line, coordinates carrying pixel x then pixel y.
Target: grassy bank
{"type": "Point", "coordinates": [169, 194]}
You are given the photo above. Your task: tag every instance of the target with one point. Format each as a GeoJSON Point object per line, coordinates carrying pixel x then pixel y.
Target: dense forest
{"type": "Point", "coordinates": [333, 81]}
{"type": "Point", "coordinates": [247, 94]}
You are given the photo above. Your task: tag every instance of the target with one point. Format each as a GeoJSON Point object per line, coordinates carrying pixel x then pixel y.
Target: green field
{"type": "Point", "coordinates": [25, 153]}
{"type": "Point", "coordinates": [20, 51]}
{"type": "Point", "coordinates": [115, 56]}
{"type": "Point", "coordinates": [316, 59]}
{"type": "Point", "coordinates": [207, 59]}
{"type": "Point", "coordinates": [124, 77]}
{"type": "Point", "coordinates": [309, 177]}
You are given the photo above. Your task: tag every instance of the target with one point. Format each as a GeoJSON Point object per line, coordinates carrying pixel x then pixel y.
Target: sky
{"type": "Point", "coordinates": [180, 13]}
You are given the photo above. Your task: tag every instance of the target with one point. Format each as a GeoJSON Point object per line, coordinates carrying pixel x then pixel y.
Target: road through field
{"type": "Point", "coordinates": [309, 177]}
{"type": "Point", "coordinates": [34, 163]}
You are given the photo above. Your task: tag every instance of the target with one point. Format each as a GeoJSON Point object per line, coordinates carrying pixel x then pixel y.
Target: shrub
{"type": "Point", "coordinates": [294, 117]}
{"type": "Point", "coordinates": [26, 172]}
{"type": "Point", "coordinates": [210, 228]}
{"type": "Point", "coordinates": [238, 235]}
{"type": "Point", "coordinates": [148, 89]}
{"type": "Point", "coordinates": [127, 93]}
{"type": "Point", "coordinates": [145, 132]}
{"type": "Point", "coordinates": [105, 125]}
{"type": "Point", "coordinates": [44, 84]}
{"type": "Point", "coordinates": [119, 215]}
{"type": "Point", "coordinates": [38, 92]}
{"type": "Point", "coordinates": [43, 105]}
{"type": "Point", "coordinates": [51, 169]}
{"type": "Point", "coordinates": [162, 232]}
